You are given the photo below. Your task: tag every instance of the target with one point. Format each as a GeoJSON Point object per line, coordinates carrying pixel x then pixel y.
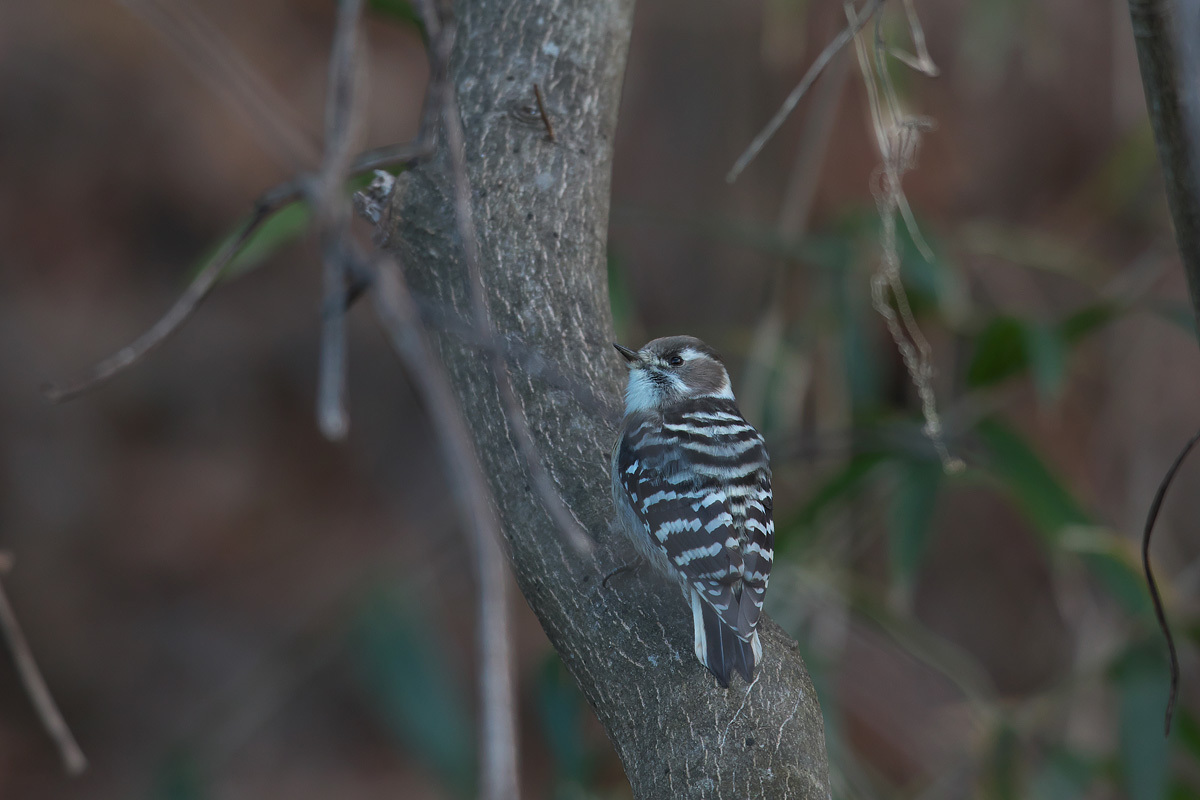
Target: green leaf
{"type": "Point", "coordinates": [1064, 775]}
{"type": "Point", "coordinates": [1123, 580]}
{"type": "Point", "coordinates": [286, 225]}
{"type": "Point", "coordinates": [1110, 558]}
{"type": "Point", "coordinates": [1087, 320]}
{"type": "Point", "coordinates": [1183, 790]}
{"type": "Point", "coordinates": [1141, 678]}
{"type": "Point", "coordinates": [911, 518]}
{"type": "Point", "coordinates": [999, 352]}
{"type": "Point", "coordinates": [399, 10]}
{"type": "Point", "coordinates": [1007, 346]}
{"type": "Point", "coordinates": [936, 282]}
{"type": "Point", "coordinates": [842, 485]}
{"type": "Point", "coordinates": [400, 664]}
{"type": "Point", "coordinates": [1046, 352]}
{"type": "Point", "coordinates": [1004, 764]}
{"type": "Point", "coordinates": [1186, 733]}
{"type": "Point", "coordinates": [179, 777]}
{"type": "Point", "coordinates": [1036, 490]}
{"type": "Point", "coordinates": [860, 361]}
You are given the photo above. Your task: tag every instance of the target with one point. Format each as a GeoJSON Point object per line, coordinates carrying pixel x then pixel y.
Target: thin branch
{"type": "Point", "coordinates": [898, 138]}
{"type": "Point", "coordinates": [396, 155]}
{"type": "Point", "coordinates": [769, 333]}
{"type": "Point", "coordinates": [179, 313]}
{"type": "Point", "coordinates": [398, 314]}
{"type": "Point", "coordinates": [332, 417]}
{"type": "Point", "coordinates": [1155, 596]}
{"type": "Point", "coordinates": [822, 60]}
{"type": "Point", "coordinates": [499, 763]}
{"type": "Point", "coordinates": [268, 203]}
{"type": "Point", "coordinates": [35, 686]}
{"type": "Point", "coordinates": [921, 61]}
{"type": "Point", "coordinates": [217, 62]}
{"type": "Point", "coordinates": [905, 129]}
{"type": "Point", "coordinates": [342, 118]}
{"type": "Point", "coordinates": [537, 94]}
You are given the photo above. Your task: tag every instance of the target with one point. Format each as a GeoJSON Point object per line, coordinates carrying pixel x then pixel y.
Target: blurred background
{"type": "Point", "coordinates": [227, 606]}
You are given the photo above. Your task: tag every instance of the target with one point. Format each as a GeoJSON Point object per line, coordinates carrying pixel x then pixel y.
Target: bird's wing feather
{"type": "Point", "coordinates": [687, 515]}
{"type": "Point", "coordinates": [758, 552]}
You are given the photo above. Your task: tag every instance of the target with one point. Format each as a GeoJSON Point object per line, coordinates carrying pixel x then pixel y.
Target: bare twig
{"type": "Point", "coordinates": [823, 59]}
{"type": "Point", "coordinates": [898, 138]}
{"type": "Point", "coordinates": [342, 117]}
{"type": "Point", "coordinates": [1155, 596]}
{"type": "Point", "coordinates": [343, 98]}
{"type": "Point", "coordinates": [216, 62]}
{"type": "Point", "coordinates": [332, 418]}
{"type": "Point", "coordinates": [268, 203]}
{"type": "Point", "coordinates": [402, 155]}
{"type": "Point", "coordinates": [767, 339]}
{"type": "Point", "coordinates": [397, 313]}
{"type": "Point", "coordinates": [178, 313]}
{"type": "Point", "coordinates": [498, 724]}
{"type": "Point", "coordinates": [901, 131]}
{"type": "Point", "coordinates": [537, 94]}
{"type": "Point", "coordinates": [920, 61]}
{"type": "Point", "coordinates": [35, 686]}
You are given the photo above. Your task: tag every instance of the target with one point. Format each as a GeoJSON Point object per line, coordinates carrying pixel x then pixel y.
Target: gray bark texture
{"type": "Point", "coordinates": [541, 209]}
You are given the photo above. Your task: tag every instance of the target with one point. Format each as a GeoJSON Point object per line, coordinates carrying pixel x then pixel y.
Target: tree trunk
{"type": "Point", "coordinates": [541, 208]}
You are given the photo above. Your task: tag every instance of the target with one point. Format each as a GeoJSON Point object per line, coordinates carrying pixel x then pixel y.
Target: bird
{"type": "Point", "coordinates": [691, 482]}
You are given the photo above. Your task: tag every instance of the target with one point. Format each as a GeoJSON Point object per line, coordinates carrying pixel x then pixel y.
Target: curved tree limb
{"type": "Point", "coordinates": [541, 209]}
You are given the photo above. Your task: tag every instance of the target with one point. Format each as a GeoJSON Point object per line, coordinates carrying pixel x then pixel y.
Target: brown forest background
{"type": "Point", "coordinates": [228, 606]}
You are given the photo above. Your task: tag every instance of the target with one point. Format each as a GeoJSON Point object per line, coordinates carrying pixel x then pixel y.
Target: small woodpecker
{"type": "Point", "coordinates": [692, 486]}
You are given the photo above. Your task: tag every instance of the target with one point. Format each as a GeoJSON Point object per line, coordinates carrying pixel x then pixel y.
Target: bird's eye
{"type": "Point", "coordinates": [675, 360]}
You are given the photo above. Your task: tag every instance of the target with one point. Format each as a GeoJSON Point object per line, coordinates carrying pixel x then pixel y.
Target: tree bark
{"type": "Point", "coordinates": [541, 208]}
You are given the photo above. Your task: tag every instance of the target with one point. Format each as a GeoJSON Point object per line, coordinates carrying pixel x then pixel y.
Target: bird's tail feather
{"type": "Point", "coordinates": [719, 647]}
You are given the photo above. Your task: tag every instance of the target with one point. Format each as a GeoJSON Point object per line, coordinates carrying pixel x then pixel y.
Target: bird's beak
{"type": "Point", "coordinates": [630, 355]}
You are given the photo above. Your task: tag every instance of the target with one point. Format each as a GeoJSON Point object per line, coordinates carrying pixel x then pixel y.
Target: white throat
{"type": "Point", "coordinates": [642, 394]}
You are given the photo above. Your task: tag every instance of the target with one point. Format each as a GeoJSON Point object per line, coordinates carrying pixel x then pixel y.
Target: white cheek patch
{"type": "Point", "coordinates": [641, 394]}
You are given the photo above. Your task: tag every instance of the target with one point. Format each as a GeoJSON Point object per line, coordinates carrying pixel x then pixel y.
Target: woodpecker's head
{"type": "Point", "coordinates": [672, 369]}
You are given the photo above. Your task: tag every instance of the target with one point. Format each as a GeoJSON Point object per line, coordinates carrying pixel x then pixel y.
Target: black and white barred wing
{"type": "Point", "coordinates": [686, 515]}
{"type": "Point", "coordinates": [700, 484]}
{"type": "Point", "coordinates": [758, 550]}
{"type": "Point", "coordinates": [725, 449]}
